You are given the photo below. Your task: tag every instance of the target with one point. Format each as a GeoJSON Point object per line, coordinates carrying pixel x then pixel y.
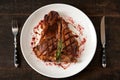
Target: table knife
{"type": "Point", "coordinates": [103, 41]}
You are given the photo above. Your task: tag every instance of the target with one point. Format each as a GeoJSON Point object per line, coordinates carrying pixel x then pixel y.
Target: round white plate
{"type": "Point", "coordinates": [55, 71]}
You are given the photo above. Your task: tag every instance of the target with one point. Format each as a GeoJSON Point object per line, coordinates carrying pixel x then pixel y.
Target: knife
{"type": "Point", "coordinates": [103, 41]}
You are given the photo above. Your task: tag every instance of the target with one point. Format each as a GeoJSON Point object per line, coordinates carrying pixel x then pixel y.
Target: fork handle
{"type": "Point", "coordinates": [16, 64]}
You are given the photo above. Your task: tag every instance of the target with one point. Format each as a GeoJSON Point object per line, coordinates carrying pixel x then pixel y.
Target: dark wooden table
{"type": "Point", "coordinates": [95, 9]}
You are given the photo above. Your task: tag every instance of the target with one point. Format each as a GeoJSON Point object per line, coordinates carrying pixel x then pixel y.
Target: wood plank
{"type": "Point", "coordinates": [91, 7]}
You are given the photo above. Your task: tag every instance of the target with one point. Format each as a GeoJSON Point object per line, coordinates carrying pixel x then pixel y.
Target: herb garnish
{"type": "Point", "coordinates": [59, 50]}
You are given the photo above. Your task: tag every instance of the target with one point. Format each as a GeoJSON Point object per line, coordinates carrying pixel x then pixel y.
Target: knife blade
{"type": "Point", "coordinates": [103, 41]}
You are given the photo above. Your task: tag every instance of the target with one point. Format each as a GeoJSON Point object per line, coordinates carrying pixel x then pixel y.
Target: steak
{"type": "Point", "coordinates": [55, 28]}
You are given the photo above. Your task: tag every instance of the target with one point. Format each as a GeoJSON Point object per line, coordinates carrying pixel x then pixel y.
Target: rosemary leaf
{"type": "Point", "coordinates": [59, 50]}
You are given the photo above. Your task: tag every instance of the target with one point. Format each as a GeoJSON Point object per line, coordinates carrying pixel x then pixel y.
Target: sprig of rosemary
{"type": "Point", "coordinates": [59, 50]}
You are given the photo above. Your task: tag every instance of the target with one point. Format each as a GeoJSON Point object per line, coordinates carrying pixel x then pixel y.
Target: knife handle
{"type": "Point", "coordinates": [103, 58]}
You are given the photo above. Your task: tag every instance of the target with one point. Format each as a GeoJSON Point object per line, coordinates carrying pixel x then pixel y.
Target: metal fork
{"type": "Point", "coordinates": [15, 32]}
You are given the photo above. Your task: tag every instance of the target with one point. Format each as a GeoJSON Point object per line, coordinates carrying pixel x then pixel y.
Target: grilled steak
{"type": "Point", "coordinates": [54, 29]}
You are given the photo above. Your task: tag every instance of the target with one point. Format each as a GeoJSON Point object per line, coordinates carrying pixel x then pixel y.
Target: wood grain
{"type": "Point", "coordinates": [95, 9]}
{"type": "Point", "coordinates": [91, 7]}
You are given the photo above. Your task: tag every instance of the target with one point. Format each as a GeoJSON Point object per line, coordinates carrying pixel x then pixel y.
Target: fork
{"type": "Point", "coordinates": [15, 32]}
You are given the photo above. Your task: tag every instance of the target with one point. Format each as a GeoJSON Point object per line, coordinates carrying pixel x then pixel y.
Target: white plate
{"type": "Point", "coordinates": [55, 71]}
